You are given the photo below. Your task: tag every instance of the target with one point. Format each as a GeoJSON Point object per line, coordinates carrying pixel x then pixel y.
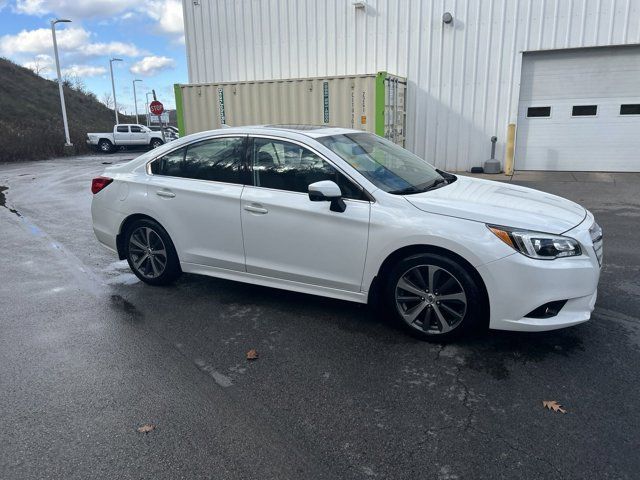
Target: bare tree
{"type": "Point", "coordinates": [107, 99]}
{"type": "Point", "coordinates": [67, 81]}
{"type": "Point", "coordinates": [38, 67]}
{"type": "Point", "coordinates": [78, 84]}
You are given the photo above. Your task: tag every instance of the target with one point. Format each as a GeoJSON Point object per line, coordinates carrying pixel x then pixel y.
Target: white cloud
{"type": "Point", "coordinates": [151, 65]}
{"type": "Point", "coordinates": [168, 14]}
{"type": "Point", "coordinates": [45, 66]}
{"type": "Point", "coordinates": [71, 41]}
{"type": "Point", "coordinates": [75, 8]}
{"type": "Point", "coordinates": [39, 41]}
{"type": "Point", "coordinates": [83, 71]}
{"type": "Point", "coordinates": [111, 48]}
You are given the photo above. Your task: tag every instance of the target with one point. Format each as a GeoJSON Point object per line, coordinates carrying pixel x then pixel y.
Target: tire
{"type": "Point", "coordinates": [434, 298]}
{"type": "Point", "coordinates": [156, 142]}
{"type": "Point", "coordinates": [105, 146]}
{"type": "Point", "coordinates": [156, 265]}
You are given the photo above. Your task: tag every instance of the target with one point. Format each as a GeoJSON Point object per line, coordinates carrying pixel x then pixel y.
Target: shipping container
{"type": "Point", "coordinates": [373, 103]}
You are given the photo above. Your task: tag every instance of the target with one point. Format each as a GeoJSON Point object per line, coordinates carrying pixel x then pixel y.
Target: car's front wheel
{"type": "Point", "coordinates": [150, 253]}
{"type": "Point", "coordinates": [434, 297]}
{"type": "Point", "coordinates": [156, 142]}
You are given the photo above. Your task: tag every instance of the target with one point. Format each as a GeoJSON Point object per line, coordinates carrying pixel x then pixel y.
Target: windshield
{"type": "Point", "coordinates": [385, 164]}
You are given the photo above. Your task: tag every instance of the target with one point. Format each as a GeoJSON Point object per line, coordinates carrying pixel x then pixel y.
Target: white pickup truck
{"type": "Point", "coordinates": [126, 135]}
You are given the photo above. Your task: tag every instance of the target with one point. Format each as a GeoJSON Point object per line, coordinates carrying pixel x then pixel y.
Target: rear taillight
{"type": "Point", "coordinates": [99, 183]}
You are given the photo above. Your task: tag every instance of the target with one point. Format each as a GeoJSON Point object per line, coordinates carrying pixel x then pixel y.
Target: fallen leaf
{"type": "Point", "coordinates": [553, 405]}
{"type": "Point", "coordinates": [146, 428]}
{"type": "Point", "coordinates": [252, 354]}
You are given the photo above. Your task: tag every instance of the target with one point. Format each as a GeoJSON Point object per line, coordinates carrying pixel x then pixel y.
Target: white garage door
{"type": "Point", "coordinates": [580, 110]}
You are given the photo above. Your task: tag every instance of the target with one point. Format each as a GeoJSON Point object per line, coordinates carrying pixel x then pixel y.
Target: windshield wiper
{"type": "Point", "coordinates": [406, 191]}
{"type": "Point", "coordinates": [436, 183]}
{"type": "Point", "coordinates": [411, 189]}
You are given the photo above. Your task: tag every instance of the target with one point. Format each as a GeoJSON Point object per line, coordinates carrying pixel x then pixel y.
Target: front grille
{"type": "Point", "coordinates": [596, 237]}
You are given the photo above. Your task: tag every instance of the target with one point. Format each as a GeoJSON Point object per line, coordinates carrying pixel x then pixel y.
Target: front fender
{"type": "Point", "coordinates": [392, 229]}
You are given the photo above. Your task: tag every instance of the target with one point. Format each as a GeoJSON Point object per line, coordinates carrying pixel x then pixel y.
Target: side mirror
{"type": "Point", "coordinates": [327, 191]}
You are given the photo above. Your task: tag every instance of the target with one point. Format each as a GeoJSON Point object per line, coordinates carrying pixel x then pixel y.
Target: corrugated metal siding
{"type": "Point", "coordinates": [296, 101]}
{"type": "Point", "coordinates": [462, 78]}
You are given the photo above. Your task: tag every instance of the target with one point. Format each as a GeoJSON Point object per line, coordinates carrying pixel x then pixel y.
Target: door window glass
{"type": "Point", "coordinates": [630, 109]}
{"type": "Point", "coordinates": [123, 129]}
{"type": "Point", "coordinates": [218, 159]}
{"type": "Point", "coordinates": [533, 112]}
{"type": "Point", "coordinates": [287, 166]}
{"type": "Point", "coordinates": [136, 129]}
{"type": "Point", "coordinates": [584, 110]}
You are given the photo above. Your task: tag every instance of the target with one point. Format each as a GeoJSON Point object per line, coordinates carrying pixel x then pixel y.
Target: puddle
{"type": "Point", "coordinates": [127, 307]}
{"type": "Point", "coordinates": [497, 352]}
{"type": "Point", "coordinates": [3, 201]}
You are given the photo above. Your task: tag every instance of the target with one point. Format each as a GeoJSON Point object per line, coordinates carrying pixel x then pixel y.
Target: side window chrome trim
{"type": "Point", "coordinates": [304, 194]}
{"type": "Point", "coordinates": [322, 157]}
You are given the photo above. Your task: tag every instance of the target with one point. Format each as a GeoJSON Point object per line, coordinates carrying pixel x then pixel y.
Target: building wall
{"type": "Point", "coordinates": [462, 78]}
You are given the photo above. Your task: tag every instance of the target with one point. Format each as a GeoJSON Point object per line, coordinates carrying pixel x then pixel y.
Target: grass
{"type": "Point", "coordinates": [31, 119]}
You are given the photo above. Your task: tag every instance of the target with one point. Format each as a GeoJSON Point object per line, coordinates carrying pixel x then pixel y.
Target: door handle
{"type": "Point", "coordinates": [256, 209]}
{"type": "Point", "coordinates": [165, 193]}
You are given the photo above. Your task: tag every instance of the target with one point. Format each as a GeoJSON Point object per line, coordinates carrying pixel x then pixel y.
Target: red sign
{"type": "Point", "coordinates": [156, 107]}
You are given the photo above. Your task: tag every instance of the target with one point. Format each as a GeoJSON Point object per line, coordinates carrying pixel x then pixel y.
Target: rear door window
{"type": "Point", "coordinates": [216, 159]}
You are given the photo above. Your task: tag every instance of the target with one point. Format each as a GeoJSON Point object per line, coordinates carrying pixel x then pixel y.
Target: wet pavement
{"type": "Point", "coordinates": [88, 354]}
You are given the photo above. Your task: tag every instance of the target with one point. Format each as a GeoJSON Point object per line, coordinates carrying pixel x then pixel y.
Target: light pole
{"type": "Point", "coordinates": [113, 87]}
{"type": "Point", "coordinates": [135, 100]}
{"type": "Point", "coordinates": [147, 108]}
{"type": "Point", "coordinates": [62, 105]}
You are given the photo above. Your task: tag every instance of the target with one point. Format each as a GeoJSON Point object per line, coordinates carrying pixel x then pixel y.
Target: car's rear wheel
{"type": "Point", "coordinates": [105, 146]}
{"type": "Point", "coordinates": [156, 142]}
{"type": "Point", "coordinates": [434, 297]}
{"type": "Point", "coordinates": [150, 253]}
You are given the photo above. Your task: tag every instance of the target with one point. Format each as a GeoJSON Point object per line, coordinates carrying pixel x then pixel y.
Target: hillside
{"type": "Point", "coordinates": [31, 120]}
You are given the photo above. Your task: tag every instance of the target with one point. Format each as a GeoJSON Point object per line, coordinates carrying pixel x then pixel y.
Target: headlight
{"type": "Point", "coordinates": [543, 246]}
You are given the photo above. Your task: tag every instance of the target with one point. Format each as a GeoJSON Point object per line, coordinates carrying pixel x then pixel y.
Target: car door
{"type": "Point", "coordinates": [289, 237]}
{"type": "Point", "coordinates": [194, 192]}
{"type": "Point", "coordinates": [138, 136]}
{"type": "Point", "coordinates": [121, 135]}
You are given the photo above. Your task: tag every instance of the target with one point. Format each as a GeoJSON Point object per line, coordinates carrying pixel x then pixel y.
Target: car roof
{"type": "Point", "coordinates": [312, 131]}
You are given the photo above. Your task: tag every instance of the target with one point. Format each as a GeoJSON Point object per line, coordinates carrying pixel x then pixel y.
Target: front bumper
{"type": "Point", "coordinates": [517, 285]}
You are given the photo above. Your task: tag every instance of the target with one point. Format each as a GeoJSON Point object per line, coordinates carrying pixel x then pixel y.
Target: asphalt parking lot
{"type": "Point", "coordinates": [88, 354]}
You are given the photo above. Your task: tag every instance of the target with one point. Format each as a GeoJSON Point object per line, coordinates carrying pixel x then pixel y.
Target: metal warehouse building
{"type": "Point", "coordinates": [566, 73]}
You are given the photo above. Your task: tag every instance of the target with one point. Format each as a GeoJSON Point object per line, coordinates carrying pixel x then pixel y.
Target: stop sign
{"type": "Point", "coordinates": [156, 107]}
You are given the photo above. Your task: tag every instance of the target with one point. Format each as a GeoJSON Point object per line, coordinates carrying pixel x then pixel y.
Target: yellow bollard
{"type": "Point", "coordinates": [511, 143]}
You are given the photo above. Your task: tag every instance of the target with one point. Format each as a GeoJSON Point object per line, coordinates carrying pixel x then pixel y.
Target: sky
{"type": "Point", "coordinates": [148, 35]}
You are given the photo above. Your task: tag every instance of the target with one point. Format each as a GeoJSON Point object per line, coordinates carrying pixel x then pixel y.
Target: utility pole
{"type": "Point", "coordinates": [147, 109]}
{"type": "Point", "coordinates": [135, 99]}
{"type": "Point", "coordinates": [62, 104]}
{"type": "Point", "coordinates": [153, 91]}
{"type": "Point", "coordinates": [113, 87]}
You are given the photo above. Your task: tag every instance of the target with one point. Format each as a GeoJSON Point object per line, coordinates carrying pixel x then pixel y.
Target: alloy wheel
{"type": "Point", "coordinates": [431, 299]}
{"type": "Point", "coordinates": [147, 252]}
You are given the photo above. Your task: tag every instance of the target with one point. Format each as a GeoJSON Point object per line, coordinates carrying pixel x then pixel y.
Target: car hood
{"type": "Point", "coordinates": [501, 204]}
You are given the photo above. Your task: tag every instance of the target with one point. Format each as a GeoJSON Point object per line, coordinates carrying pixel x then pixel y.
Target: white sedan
{"type": "Point", "coordinates": [349, 215]}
